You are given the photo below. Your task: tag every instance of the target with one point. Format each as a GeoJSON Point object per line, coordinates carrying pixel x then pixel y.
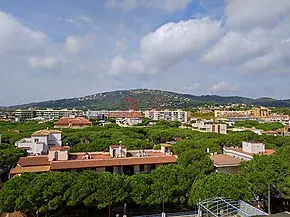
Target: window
{"type": "Point", "coordinates": [36, 140]}
{"type": "Point", "coordinates": [141, 168]}
{"type": "Point", "coordinates": [56, 155]}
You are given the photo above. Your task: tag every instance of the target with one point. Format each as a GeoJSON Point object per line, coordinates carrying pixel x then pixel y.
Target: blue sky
{"type": "Point", "coordinates": [67, 48]}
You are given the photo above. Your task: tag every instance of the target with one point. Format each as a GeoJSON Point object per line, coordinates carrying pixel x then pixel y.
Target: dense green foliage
{"type": "Point", "coordinates": [257, 125]}
{"type": "Point", "coordinates": [184, 183]}
{"type": "Point", "coordinates": [151, 99]}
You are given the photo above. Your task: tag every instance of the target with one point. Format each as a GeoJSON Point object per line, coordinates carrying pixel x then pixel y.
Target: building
{"type": "Point", "coordinates": [177, 115]}
{"type": "Point", "coordinates": [40, 142]}
{"type": "Point", "coordinates": [72, 123]}
{"type": "Point", "coordinates": [261, 112]}
{"type": "Point", "coordinates": [46, 114]}
{"type": "Point", "coordinates": [285, 131]}
{"type": "Point", "coordinates": [229, 161]}
{"type": "Point", "coordinates": [113, 114]}
{"type": "Point", "coordinates": [97, 114]}
{"type": "Point", "coordinates": [118, 160]}
{"type": "Point", "coordinates": [209, 126]}
{"type": "Point", "coordinates": [227, 114]}
{"type": "Point", "coordinates": [123, 122]}
{"type": "Point", "coordinates": [124, 114]}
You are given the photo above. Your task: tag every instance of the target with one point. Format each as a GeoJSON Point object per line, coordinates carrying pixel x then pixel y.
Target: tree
{"type": "Point", "coordinates": [13, 191]}
{"type": "Point", "coordinates": [234, 187]}
{"type": "Point", "coordinates": [140, 188]}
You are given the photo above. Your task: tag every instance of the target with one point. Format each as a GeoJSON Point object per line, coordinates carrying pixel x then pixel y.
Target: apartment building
{"type": "Point", "coordinates": [261, 112]}
{"type": "Point", "coordinates": [177, 115]}
{"type": "Point", "coordinates": [46, 114]}
{"type": "Point", "coordinates": [40, 142]}
{"type": "Point", "coordinates": [209, 126]}
{"type": "Point", "coordinates": [229, 161]}
{"type": "Point", "coordinates": [117, 160]}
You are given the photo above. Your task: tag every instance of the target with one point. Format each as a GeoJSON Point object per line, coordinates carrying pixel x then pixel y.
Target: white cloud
{"type": "Point", "coordinates": [17, 39]}
{"type": "Point", "coordinates": [237, 46]}
{"type": "Point", "coordinates": [223, 87]}
{"type": "Point", "coordinates": [261, 63]}
{"type": "Point", "coordinates": [119, 66]}
{"type": "Point", "coordinates": [173, 42]}
{"type": "Point", "coordinates": [74, 44]}
{"type": "Point", "coordinates": [42, 62]}
{"type": "Point", "coordinates": [252, 13]}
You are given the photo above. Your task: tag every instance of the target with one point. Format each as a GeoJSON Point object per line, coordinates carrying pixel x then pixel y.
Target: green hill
{"type": "Point", "coordinates": [149, 99]}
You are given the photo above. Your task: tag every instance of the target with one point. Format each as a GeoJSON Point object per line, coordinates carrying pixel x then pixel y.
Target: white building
{"type": "Point", "coordinates": [248, 150]}
{"type": "Point", "coordinates": [229, 161]}
{"type": "Point", "coordinates": [177, 115]}
{"type": "Point", "coordinates": [40, 142]}
{"type": "Point", "coordinates": [128, 121]}
{"type": "Point", "coordinates": [46, 114]}
{"type": "Point", "coordinates": [209, 126]}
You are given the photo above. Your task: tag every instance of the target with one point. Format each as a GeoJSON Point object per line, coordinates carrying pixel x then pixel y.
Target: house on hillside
{"type": "Point", "coordinates": [40, 142]}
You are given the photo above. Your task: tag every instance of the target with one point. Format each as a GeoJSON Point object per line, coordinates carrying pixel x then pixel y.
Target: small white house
{"type": "Point", "coordinates": [40, 142]}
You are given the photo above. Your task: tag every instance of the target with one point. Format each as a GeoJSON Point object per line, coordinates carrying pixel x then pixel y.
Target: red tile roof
{"type": "Point", "coordinates": [33, 161]}
{"type": "Point", "coordinates": [73, 122]}
{"type": "Point", "coordinates": [93, 163]}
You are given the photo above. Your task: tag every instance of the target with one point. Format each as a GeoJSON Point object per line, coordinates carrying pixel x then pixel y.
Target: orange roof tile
{"type": "Point", "coordinates": [73, 122]}
{"type": "Point", "coordinates": [34, 169]}
{"type": "Point", "coordinates": [92, 163]}
{"type": "Point", "coordinates": [33, 161]}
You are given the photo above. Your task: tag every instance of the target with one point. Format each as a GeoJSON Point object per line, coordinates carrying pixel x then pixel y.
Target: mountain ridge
{"type": "Point", "coordinates": [149, 99]}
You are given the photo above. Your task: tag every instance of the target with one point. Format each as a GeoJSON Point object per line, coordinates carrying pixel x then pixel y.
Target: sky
{"type": "Point", "coordinates": [69, 48]}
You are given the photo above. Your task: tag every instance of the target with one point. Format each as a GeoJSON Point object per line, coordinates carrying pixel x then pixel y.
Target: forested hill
{"type": "Point", "coordinates": [149, 99]}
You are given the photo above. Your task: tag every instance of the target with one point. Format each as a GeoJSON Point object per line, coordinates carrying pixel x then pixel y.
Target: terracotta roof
{"type": "Point", "coordinates": [45, 132]}
{"type": "Point", "coordinates": [224, 160]}
{"type": "Point", "coordinates": [35, 169]}
{"type": "Point", "coordinates": [125, 114]}
{"type": "Point", "coordinates": [59, 148]}
{"type": "Point", "coordinates": [33, 161]}
{"type": "Point", "coordinates": [92, 163]}
{"type": "Point", "coordinates": [267, 151]}
{"type": "Point", "coordinates": [73, 122]}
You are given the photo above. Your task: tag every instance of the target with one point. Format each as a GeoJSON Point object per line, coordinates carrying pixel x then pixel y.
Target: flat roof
{"type": "Point", "coordinates": [224, 160]}
{"type": "Point", "coordinates": [240, 150]}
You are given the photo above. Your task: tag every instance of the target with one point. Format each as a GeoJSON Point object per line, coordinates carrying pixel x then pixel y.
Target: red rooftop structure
{"type": "Point", "coordinates": [72, 123]}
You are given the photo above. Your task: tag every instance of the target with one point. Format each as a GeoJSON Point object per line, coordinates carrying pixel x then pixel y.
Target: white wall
{"type": "Point", "coordinates": [54, 139]}
{"type": "Point", "coordinates": [253, 148]}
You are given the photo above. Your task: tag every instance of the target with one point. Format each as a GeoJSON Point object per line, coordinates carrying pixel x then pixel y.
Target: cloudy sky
{"type": "Point", "coordinates": [66, 48]}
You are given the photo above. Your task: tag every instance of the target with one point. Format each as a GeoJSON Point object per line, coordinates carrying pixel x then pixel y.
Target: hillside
{"type": "Point", "coordinates": [149, 99]}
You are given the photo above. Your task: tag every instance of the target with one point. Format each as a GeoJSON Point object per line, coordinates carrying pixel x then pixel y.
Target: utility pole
{"type": "Point", "coordinates": [269, 199]}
